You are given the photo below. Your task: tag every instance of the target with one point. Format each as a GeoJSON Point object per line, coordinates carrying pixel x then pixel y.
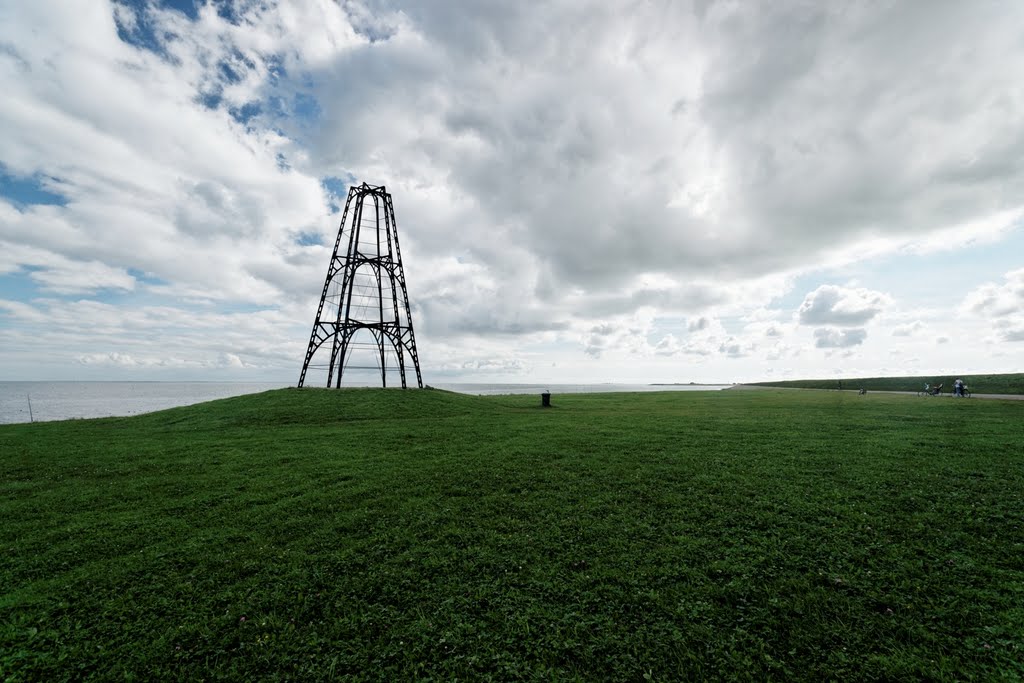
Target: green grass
{"type": "Point", "coordinates": [978, 384]}
{"type": "Point", "coordinates": [389, 535]}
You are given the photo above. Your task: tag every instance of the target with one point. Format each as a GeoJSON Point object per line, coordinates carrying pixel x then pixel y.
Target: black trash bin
{"type": "Point", "coordinates": [545, 399]}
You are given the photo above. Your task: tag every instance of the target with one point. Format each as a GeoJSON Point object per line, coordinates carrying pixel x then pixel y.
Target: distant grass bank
{"type": "Point", "coordinates": [979, 384]}
{"type": "Point", "coordinates": [389, 535]}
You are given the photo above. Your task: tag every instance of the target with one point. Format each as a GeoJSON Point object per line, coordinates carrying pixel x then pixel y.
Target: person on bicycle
{"type": "Point", "coordinates": [958, 388]}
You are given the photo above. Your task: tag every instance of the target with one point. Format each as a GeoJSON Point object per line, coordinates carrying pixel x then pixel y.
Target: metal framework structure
{"type": "Point", "coordinates": [361, 295]}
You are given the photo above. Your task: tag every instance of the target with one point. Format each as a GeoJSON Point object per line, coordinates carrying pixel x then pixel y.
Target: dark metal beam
{"type": "Point", "coordinates": [340, 324]}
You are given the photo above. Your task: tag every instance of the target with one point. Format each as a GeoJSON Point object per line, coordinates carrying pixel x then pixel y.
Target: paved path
{"type": "Point", "coordinates": [1012, 397]}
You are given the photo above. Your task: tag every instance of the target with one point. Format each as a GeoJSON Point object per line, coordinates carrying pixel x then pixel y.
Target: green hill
{"type": "Point", "coordinates": [401, 535]}
{"type": "Point", "coordinates": [979, 384]}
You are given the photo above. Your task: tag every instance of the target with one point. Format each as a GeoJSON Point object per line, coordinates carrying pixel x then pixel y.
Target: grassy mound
{"type": "Point", "coordinates": [979, 384]}
{"type": "Point", "coordinates": [315, 534]}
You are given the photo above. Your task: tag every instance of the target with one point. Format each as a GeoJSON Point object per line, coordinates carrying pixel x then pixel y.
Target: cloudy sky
{"type": "Point", "coordinates": [597, 191]}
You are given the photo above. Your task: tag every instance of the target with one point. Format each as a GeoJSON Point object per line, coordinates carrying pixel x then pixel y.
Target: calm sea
{"type": "Point", "coordinates": [42, 401]}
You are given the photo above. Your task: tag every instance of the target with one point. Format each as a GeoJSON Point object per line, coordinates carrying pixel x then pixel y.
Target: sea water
{"type": "Point", "coordinates": [42, 401]}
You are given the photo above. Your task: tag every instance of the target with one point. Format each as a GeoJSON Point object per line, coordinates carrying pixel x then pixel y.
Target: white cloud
{"type": "Point", "coordinates": [998, 300]}
{"type": "Point", "coordinates": [567, 176]}
{"type": "Point", "coordinates": [832, 305]}
{"type": "Point", "coordinates": [1002, 304]}
{"type": "Point", "coordinates": [831, 338]}
{"type": "Point", "coordinates": [908, 330]}
{"type": "Point", "coordinates": [734, 349]}
{"type": "Point", "coordinates": [153, 181]}
{"type": "Point", "coordinates": [76, 278]}
{"type": "Point", "coordinates": [697, 324]}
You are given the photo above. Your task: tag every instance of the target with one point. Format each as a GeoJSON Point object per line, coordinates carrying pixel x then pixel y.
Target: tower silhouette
{"type": "Point", "coordinates": [361, 296]}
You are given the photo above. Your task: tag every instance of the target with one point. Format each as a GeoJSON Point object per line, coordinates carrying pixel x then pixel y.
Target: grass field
{"type": "Point", "coordinates": [979, 384]}
{"type": "Point", "coordinates": [389, 535]}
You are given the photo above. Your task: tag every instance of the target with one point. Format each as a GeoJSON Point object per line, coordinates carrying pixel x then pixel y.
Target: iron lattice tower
{"type": "Point", "coordinates": [361, 295]}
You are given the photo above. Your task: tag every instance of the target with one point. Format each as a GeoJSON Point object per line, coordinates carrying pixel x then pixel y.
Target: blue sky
{"type": "Point", "coordinates": [585, 192]}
